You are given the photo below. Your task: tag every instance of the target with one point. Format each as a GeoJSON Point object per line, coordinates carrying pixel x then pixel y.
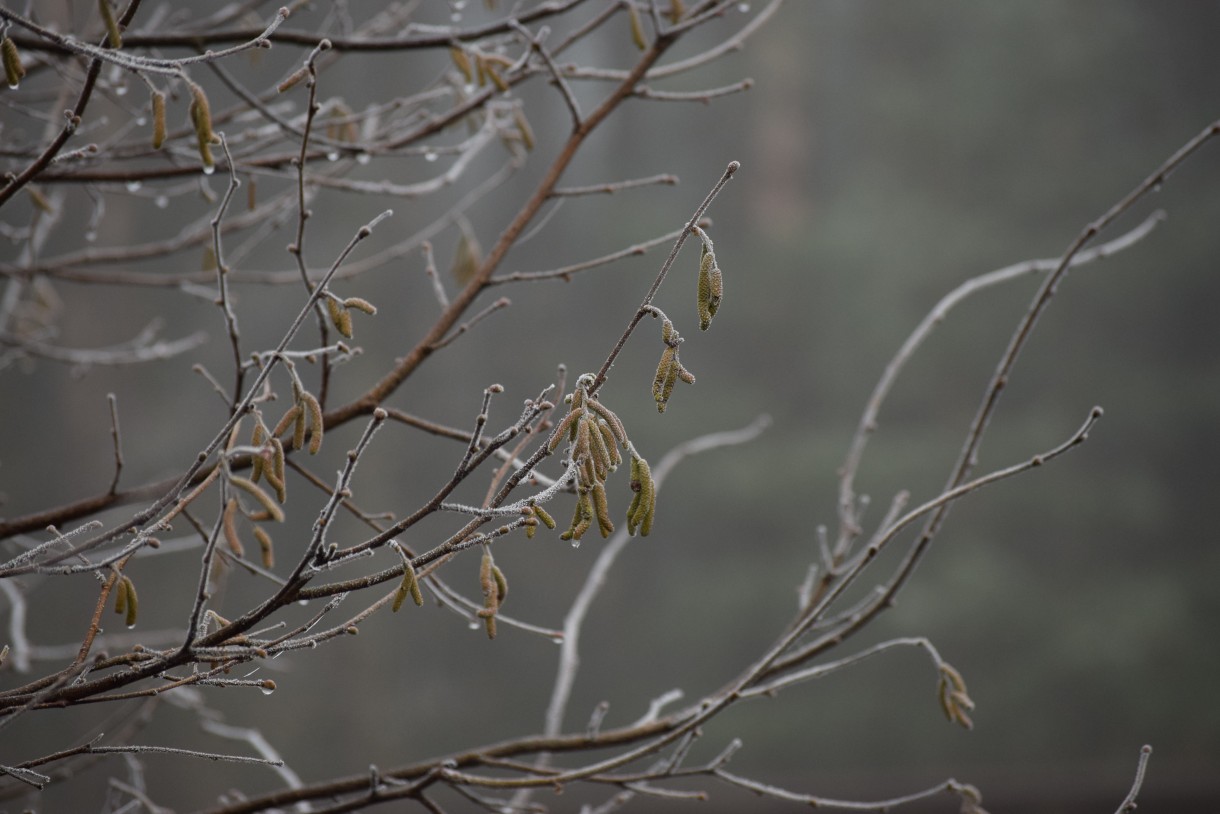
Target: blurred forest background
{"type": "Point", "coordinates": [889, 151]}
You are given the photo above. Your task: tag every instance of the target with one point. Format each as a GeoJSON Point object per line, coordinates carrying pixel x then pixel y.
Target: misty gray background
{"type": "Point", "coordinates": [889, 150]}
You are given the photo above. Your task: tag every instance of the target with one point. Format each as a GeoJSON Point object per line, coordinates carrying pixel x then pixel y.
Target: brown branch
{"type": "Point", "coordinates": [463, 299]}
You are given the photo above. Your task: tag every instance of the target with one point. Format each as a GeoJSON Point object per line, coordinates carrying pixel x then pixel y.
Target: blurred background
{"type": "Point", "coordinates": [889, 152]}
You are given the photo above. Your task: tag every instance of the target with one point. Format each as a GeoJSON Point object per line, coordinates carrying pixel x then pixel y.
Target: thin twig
{"type": "Point", "coordinates": [1128, 803]}
{"type": "Point", "coordinates": [729, 171]}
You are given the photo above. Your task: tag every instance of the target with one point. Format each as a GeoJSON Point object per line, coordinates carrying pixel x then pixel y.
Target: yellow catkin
{"type": "Point", "coordinates": [562, 430]}
{"type": "Point", "coordinates": [417, 595]}
{"type": "Point", "coordinates": [491, 593]}
{"type": "Point", "coordinates": [316, 424]}
{"type": "Point", "coordinates": [201, 113]}
{"type": "Point", "coordinates": [158, 115]}
{"type": "Point", "coordinates": [14, 71]}
{"type": "Point", "coordinates": [662, 383]}
{"type": "Point", "coordinates": [707, 261]}
{"type": "Point", "coordinates": [648, 501]}
{"type": "Point", "coordinates": [523, 126]}
{"type": "Point", "coordinates": [256, 460]}
{"type": "Point", "coordinates": [264, 544]}
{"type": "Point", "coordinates": [495, 78]}
{"type": "Point", "coordinates": [583, 453]}
{"type": "Point", "coordinates": [360, 304]}
{"type": "Point", "coordinates": [717, 291]}
{"type": "Point", "coordinates": [462, 61]}
{"type": "Point", "coordinates": [201, 119]}
{"type": "Point", "coordinates": [601, 454]}
{"type": "Point", "coordinates": [602, 510]}
{"type": "Point", "coordinates": [466, 259]}
{"type": "Point", "coordinates": [408, 587]}
{"type": "Point", "coordinates": [344, 324]}
{"type": "Point", "coordinates": [229, 525]}
{"type": "Point", "coordinates": [293, 79]}
{"type": "Point", "coordinates": [133, 602]}
{"type": "Point", "coordinates": [486, 581]}
{"type": "Point", "coordinates": [39, 200]}
{"type": "Point", "coordinates": [637, 27]}
{"type": "Point", "coordinates": [113, 35]}
{"type": "Point", "coordinates": [289, 418]}
{"type": "Point", "coordinates": [616, 425]}
{"type": "Point", "coordinates": [276, 476]}
{"type": "Point", "coordinates": [546, 518]}
{"type": "Point", "coordinates": [265, 500]}
{"type": "Point", "coordinates": [298, 428]}
{"type": "Point", "coordinates": [582, 518]}
{"type": "Point", "coordinates": [608, 440]}
{"type": "Point", "coordinates": [501, 584]}
{"type": "Point", "coordinates": [120, 597]}
{"type": "Point", "coordinates": [643, 505]}
{"type": "Point", "coordinates": [339, 317]}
